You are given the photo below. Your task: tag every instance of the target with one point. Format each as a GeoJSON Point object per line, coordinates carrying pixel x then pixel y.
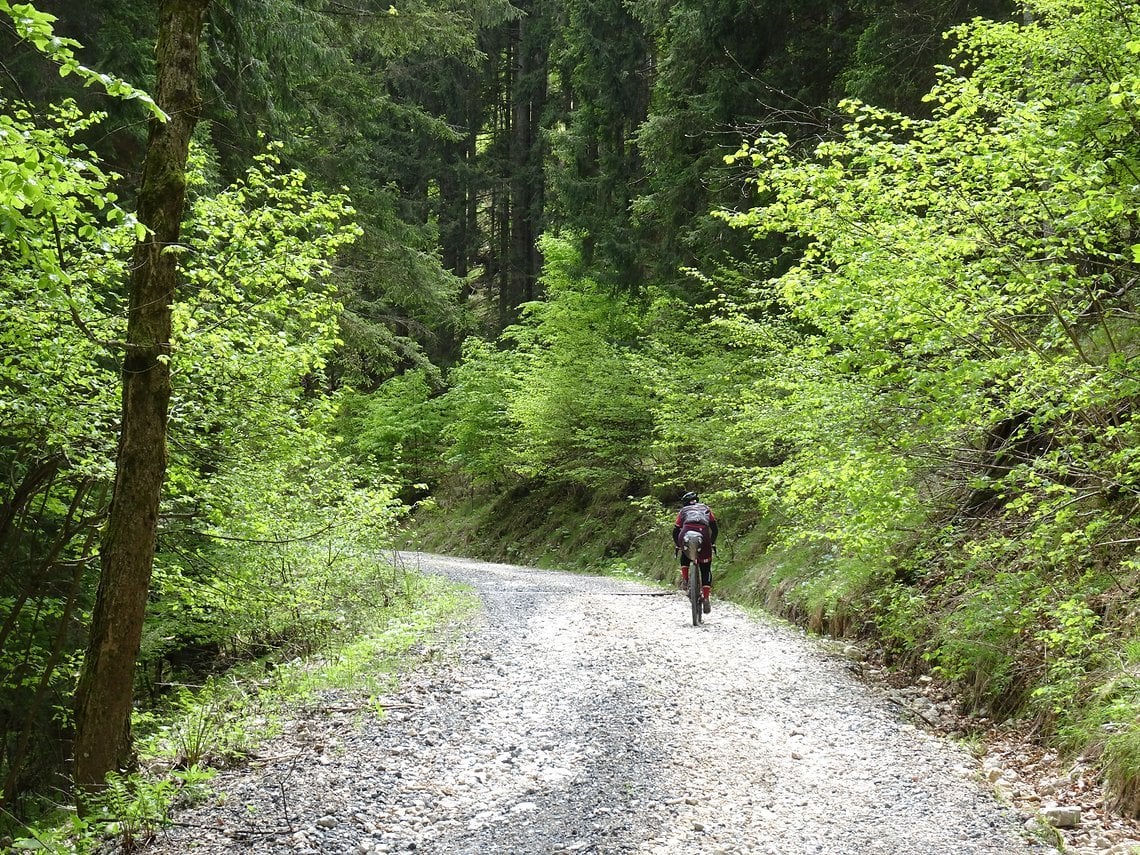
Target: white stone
{"type": "Point", "coordinates": [1062, 816]}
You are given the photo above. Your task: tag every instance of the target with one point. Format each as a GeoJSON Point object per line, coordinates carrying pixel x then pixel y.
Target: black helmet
{"type": "Point", "coordinates": [689, 498]}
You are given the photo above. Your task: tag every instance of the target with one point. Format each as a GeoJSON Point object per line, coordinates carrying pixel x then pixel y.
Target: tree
{"type": "Point", "coordinates": [962, 428]}
{"type": "Point", "coordinates": [59, 253]}
{"type": "Point", "coordinates": [601, 80]}
{"type": "Point", "coordinates": [106, 687]}
{"type": "Point", "coordinates": [569, 404]}
{"type": "Point", "coordinates": [63, 240]}
{"type": "Point", "coordinates": [893, 60]}
{"type": "Point", "coordinates": [721, 65]}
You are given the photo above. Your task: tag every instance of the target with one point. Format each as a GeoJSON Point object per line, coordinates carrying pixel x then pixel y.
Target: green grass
{"type": "Point", "coordinates": [229, 716]}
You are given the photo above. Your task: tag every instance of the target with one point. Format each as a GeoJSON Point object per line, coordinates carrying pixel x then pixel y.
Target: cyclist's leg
{"type": "Point", "coordinates": [685, 561]}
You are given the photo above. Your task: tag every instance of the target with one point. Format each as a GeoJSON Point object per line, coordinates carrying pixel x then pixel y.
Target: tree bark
{"type": "Point", "coordinates": [105, 692]}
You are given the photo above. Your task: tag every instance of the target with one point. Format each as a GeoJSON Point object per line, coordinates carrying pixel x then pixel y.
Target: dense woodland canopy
{"type": "Point", "coordinates": [863, 272]}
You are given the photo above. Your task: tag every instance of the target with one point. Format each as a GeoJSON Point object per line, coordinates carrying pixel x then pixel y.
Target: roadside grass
{"type": "Point", "coordinates": [224, 719]}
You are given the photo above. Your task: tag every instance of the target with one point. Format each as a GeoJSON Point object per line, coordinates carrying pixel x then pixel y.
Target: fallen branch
{"type": "Point", "coordinates": [395, 705]}
{"type": "Point", "coordinates": [912, 710]}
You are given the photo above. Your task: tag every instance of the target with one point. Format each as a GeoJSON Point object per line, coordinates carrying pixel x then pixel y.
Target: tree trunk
{"type": "Point", "coordinates": [106, 686]}
{"type": "Point", "coordinates": [529, 40]}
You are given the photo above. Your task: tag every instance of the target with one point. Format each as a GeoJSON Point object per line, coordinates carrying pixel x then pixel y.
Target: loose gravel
{"type": "Point", "coordinates": [587, 715]}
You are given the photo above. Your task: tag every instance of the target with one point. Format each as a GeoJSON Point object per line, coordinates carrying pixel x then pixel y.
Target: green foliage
{"type": "Point", "coordinates": [552, 525]}
{"type": "Point", "coordinates": [964, 360]}
{"type": "Point", "coordinates": [372, 642]}
{"type": "Point", "coordinates": [479, 431]}
{"type": "Point", "coordinates": [368, 659]}
{"type": "Point", "coordinates": [701, 383]}
{"type": "Point", "coordinates": [67, 834]}
{"type": "Point", "coordinates": [893, 58]}
{"type": "Point", "coordinates": [134, 808]}
{"type": "Point", "coordinates": [583, 411]}
{"type": "Point", "coordinates": [210, 726]}
{"type": "Point", "coordinates": [251, 457]}
{"type": "Point", "coordinates": [722, 65]}
{"type": "Point", "coordinates": [599, 53]}
{"type": "Point", "coordinates": [64, 241]}
{"type": "Point", "coordinates": [36, 28]}
{"type": "Point", "coordinates": [938, 271]}
{"type": "Point", "coordinates": [63, 247]}
{"type": "Point", "coordinates": [279, 560]}
{"type": "Point", "coordinates": [903, 619]}
{"type": "Point", "coordinates": [371, 624]}
{"type": "Point", "coordinates": [384, 131]}
{"type": "Point", "coordinates": [398, 427]}
{"type": "Point", "coordinates": [1072, 641]}
{"type": "Point", "coordinates": [909, 348]}
{"type": "Point", "coordinates": [571, 400]}
{"type": "Point", "coordinates": [253, 462]}
{"type": "Point", "coordinates": [367, 641]}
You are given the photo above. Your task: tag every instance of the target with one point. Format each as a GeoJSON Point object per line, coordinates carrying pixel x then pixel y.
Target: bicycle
{"type": "Point", "coordinates": [692, 546]}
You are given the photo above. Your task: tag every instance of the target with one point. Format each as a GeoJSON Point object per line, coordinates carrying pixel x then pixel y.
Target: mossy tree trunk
{"type": "Point", "coordinates": [106, 686]}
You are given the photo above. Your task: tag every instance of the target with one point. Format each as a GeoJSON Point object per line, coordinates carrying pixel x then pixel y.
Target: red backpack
{"type": "Point", "coordinates": [697, 513]}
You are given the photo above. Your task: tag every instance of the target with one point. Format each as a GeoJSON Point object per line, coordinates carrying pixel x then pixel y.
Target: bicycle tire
{"type": "Point", "coordinates": [695, 586]}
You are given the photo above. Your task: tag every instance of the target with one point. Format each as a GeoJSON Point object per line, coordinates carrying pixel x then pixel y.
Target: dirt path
{"type": "Point", "coordinates": [577, 718]}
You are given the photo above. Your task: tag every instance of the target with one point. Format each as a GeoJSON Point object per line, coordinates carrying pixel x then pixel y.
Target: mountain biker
{"type": "Point", "coordinates": [695, 516]}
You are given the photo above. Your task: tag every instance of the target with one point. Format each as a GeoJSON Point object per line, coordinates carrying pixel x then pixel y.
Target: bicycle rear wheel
{"type": "Point", "coordinates": [695, 585]}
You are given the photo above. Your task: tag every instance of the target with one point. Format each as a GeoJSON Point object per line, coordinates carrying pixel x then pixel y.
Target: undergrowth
{"type": "Point", "coordinates": [224, 719]}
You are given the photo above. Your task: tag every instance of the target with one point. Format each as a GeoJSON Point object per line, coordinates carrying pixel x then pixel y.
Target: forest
{"type": "Point", "coordinates": [316, 278]}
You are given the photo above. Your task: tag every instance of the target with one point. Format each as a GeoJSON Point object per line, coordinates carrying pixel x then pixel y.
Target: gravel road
{"type": "Point", "coordinates": [584, 714]}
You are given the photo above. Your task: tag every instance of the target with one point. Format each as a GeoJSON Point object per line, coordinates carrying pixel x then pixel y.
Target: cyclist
{"type": "Point", "coordinates": [696, 517]}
